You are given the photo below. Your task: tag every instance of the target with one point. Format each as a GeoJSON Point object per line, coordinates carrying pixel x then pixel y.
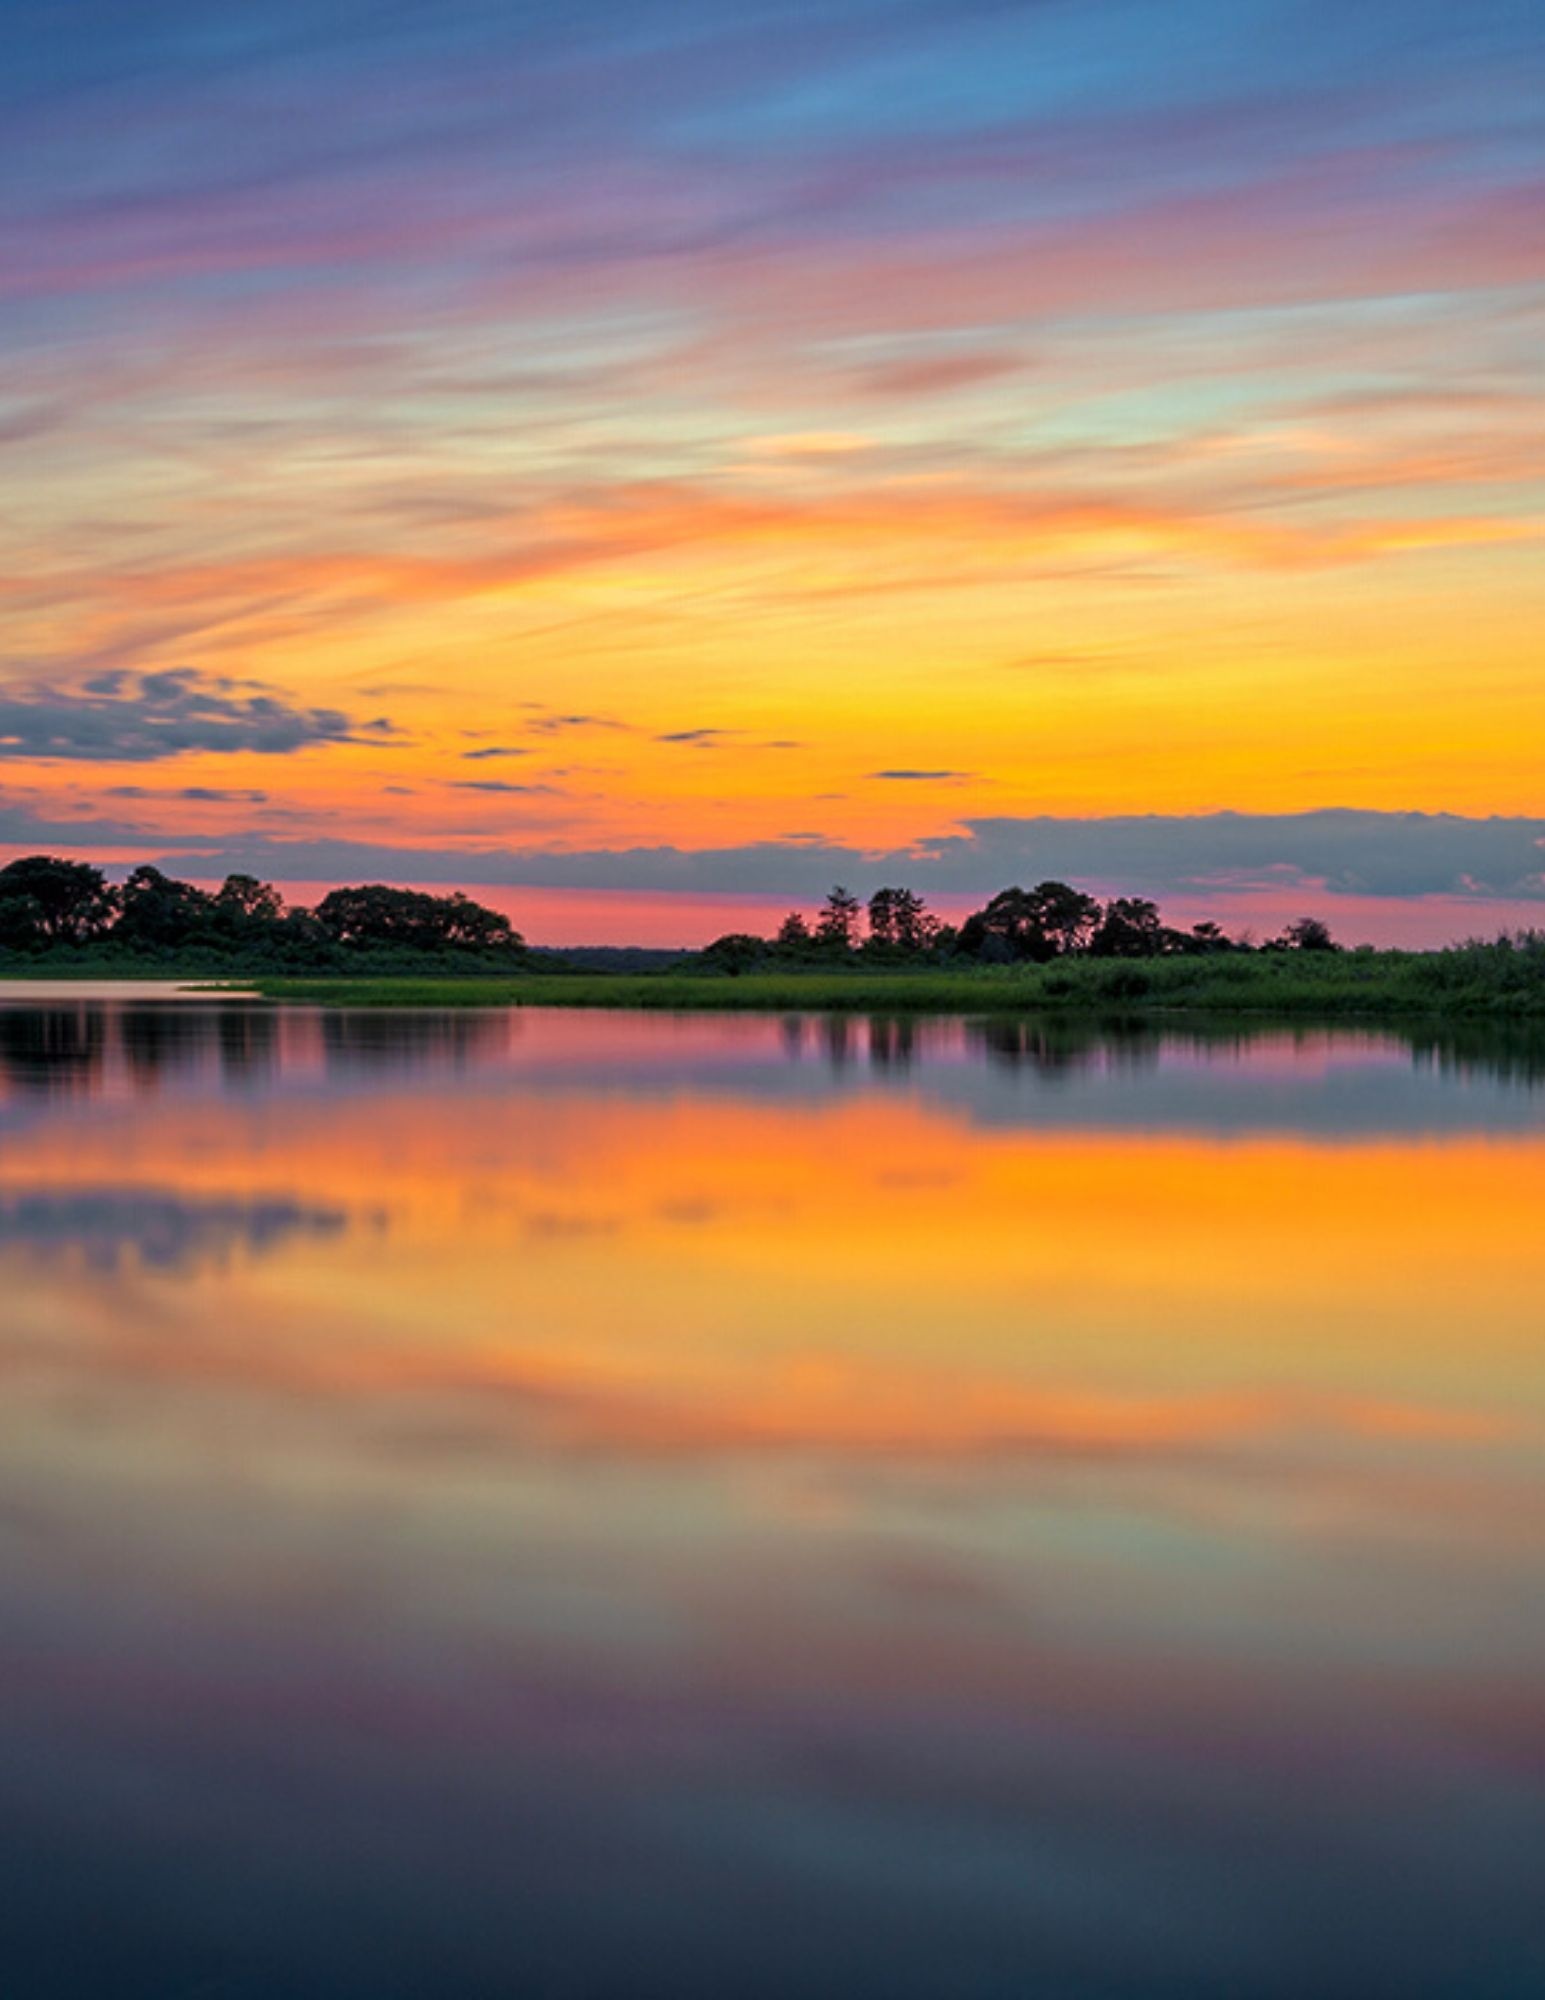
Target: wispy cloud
{"type": "Point", "coordinates": [562, 374]}
{"type": "Point", "coordinates": [543, 723]}
{"type": "Point", "coordinates": [199, 794]}
{"type": "Point", "coordinates": [121, 717]}
{"type": "Point", "coordinates": [1332, 853]}
{"type": "Point", "coordinates": [498, 785]}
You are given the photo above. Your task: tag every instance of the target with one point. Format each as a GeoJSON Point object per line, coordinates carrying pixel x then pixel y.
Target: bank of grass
{"type": "Point", "coordinates": [1500, 980]}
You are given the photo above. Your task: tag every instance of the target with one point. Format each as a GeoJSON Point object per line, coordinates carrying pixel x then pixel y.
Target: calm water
{"type": "Point", "coordinates": [570, 1505]}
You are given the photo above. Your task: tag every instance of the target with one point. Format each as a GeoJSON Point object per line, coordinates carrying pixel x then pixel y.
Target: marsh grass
{"type": "Point", "coordinates": [1505, 978]}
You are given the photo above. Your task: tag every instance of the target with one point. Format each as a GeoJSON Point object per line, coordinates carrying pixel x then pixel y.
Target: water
{"type": "Point", "coordinates": [589, 1505]}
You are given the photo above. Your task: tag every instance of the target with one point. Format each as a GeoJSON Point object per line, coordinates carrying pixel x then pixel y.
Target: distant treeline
{"type": "Point", "coordinates": [1053, 945]}
{"type": "Point", "coordinates": [1019, 926]}
{"type": "Point", "coordinates": [54, 910]}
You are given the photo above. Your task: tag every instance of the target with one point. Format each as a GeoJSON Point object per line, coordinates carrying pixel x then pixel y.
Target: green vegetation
{"type": "Point", "coordinates": [1051, 947]}
{"type": "Point", "coordinates": [1504, 979]}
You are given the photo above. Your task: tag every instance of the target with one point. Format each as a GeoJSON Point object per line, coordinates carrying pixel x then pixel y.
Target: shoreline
{"type": "Point", "coordinates": [1498, 982]}
{"type": "Point", "coordinates": [1371, 989]}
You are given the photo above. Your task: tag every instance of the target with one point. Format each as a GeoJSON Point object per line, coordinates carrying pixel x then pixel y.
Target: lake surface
{"type": "Point", "coordinates": [585, 1505]}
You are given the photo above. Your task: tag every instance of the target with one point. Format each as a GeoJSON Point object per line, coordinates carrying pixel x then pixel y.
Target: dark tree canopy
{"type": "Point", "coordinates": [157, 913]}
{"type": "Point", "coordinates": [1038, 923]}
{"type": "Point", "coordinates": [50, 905]}
{"type": "Point", "coordinates": [837, 926]}
{"type": "Point", "coordinates": [899, 920]}
{"type": "Point", "coordinates": [44, 899]}
{"type": "Point", "coordinates": [1130, 928]}
{"type": "Point", "coordinates": [1306, 934]}
{"type": "Point", "coordinates": [735, 952]}
{"type": "Point", "coordinates": [1050, 921]}
{"type": "Point", "coordinates": [376, 914]}
{"type": "Point", "coordinates": [247, 900]}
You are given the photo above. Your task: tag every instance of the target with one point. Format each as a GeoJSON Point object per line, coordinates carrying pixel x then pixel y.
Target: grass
{"type": "Point", "coordinates": [1484, 980]}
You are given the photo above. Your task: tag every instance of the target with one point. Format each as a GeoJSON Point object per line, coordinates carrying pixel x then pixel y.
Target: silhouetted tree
{"type": "Point", "coordinates": [735, 952]}
{"type": "Point", "coordinates": [252, 901]}
{"type": "Point", "coordinates": [47, 901]}
{"type": "Point", "coordinates": [1130, 928]}
{"type": "Point", "coordinates": [376, 914]}
{"type": "Point", "coordinates": [899, 922]}
{"type": "Point", "coordinates": [1000, 931]}
{"type": "Point", "coordinates": [1305, 934]}
{"type": "Point", "coordinates": [158, 913]}
{"type": "Point", "coordinates": [793, 938]}
{"type": "Point", "coordinates": [1066, 916]}
{"type": "Point", "coordinates": [1039, 923]}
{"type": "Point", "coordinates": [882, 916]}
{"type": "Point", "coordinates": [837, 927]}
{"type": "Point", "coordinates": [474, 925]}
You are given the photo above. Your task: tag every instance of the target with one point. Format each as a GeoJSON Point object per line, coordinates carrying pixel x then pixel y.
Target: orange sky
{"type": "Point", "coordinates": [1081, 427]}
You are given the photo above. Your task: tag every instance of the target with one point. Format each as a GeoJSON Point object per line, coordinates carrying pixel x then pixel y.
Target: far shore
{"type": "Point", "coordinates": [1496, 981]}
{"type": "Point", "coordinates": [1333, 985]}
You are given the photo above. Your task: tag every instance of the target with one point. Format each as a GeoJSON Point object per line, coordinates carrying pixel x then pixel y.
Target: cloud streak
{"type": "Point", "coordinates": [732, 371]}
{"type": "Point", "coordinates": [123, 718]}
{"type": "Point", "coordinates": [1334, 852]}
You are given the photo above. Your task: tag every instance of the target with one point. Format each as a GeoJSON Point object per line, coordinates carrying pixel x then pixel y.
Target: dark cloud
{"type": "Point", "coordinates": [1340, 852]}
{"type": "Point", "coordinates": [496, 785]}
{"type": "Point", "coordinates": [1351, 853]}
{"type": "Point", "coordinates": [493, 750]}
{"type": "Point", "coordinates": [920, 777]}
{"type": "Point", "coordinates": [712, 739]}
{"type": "Point", "coordinates": [204, 794]}
{"type": "Point", "coordinates": [558, 725]}
{"type": "Point", "coordinates": [123, 717]}
{"type": "Point", "coordinates": [24, 824]}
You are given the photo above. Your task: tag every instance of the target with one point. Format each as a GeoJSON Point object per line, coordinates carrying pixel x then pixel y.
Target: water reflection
{"type": "Point", "coordinates": [593, 1505]}
{"type": "Point", "coordinates": [62, 1048]}
{"type": "Point", "coordinates": [52, 1049]}
{"type": "Point", "coordinates": [109, 1227]}
{"type": "Point", "coordinates": [425, 1038]}
{"type": "Point", "coordinates": [248, 1038]}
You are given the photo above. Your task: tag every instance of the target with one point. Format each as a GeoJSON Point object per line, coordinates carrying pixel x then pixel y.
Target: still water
{"type": "Point", "coordinates": [585, 1505]}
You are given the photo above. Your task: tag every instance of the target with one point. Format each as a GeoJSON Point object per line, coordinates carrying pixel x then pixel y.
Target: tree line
{"type": "Point", "coordinates": [1052, 920]}
{"type": "Point", "coordinates": [50, 906]}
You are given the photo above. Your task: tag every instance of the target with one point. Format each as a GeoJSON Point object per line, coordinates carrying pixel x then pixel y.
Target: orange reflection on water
{"type": "Point", "coordinates": [752, 1460]}
{"type": "Point", "coordinates": [864, 1274]}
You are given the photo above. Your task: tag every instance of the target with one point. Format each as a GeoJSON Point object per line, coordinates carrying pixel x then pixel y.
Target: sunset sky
{"type": "Point", "coordinates": [648, 461]}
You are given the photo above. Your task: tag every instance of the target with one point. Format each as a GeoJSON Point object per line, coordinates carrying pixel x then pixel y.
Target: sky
{"type": "Point", "coordinates": [645, 462]}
